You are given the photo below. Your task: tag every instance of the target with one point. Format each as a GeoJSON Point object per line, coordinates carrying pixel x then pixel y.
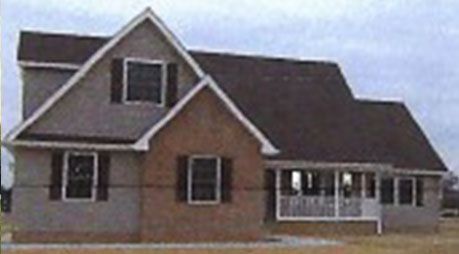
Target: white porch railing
{"type": "Point", "coordinates": [319, 206]}
{"type": "Point", "coordinates": [305, 206]}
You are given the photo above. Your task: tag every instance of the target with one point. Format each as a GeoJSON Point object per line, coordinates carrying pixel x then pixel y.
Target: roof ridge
{"type": "Point", "coordinates": [262, 57]}
{"type": "Point", "coordinates": [192, 51]}
{"type": "Point", "coordinates": [65, 34]}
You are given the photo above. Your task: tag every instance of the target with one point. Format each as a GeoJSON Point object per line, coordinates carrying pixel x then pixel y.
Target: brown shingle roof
{"type": "Point", "coordinates": [305, 107]}
{"type": "Point", "coordinates": [57, 48]}
{"type": "Point", "coordinates": [393, 135]}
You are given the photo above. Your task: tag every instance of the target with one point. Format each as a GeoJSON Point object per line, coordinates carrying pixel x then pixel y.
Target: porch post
{"type": "Point", "coordinates": [337, 194]}
{"type": "Point", "coordinates": [278, 193]}
{"type": "Point", "coordinates": [396, 191]}
{"type": "Point", "coordinates": [378, 200]}
{"type": "Point", "coordinates": [363, 187]}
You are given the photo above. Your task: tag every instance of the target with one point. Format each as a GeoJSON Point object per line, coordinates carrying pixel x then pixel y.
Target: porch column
{"type": "Point", "coordinates": [278, 194]}
{"type": "Point", "coordinates": [363, 187]}
{"type": "Point", "coordinates": [396, 191]}
{"type": "Point", "coordinates": [378, 187]}
{"type": "Point", "coordinates": [337, 194]}
{"type": "Point", "coordinates": [378, 200]}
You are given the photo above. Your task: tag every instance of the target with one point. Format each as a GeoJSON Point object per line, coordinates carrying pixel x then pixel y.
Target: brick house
{"type": "Point", "coordinates": [134, 138]}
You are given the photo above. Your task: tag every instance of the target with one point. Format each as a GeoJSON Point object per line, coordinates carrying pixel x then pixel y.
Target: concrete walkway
{"type": "Point", "coordinates": [275, 242]}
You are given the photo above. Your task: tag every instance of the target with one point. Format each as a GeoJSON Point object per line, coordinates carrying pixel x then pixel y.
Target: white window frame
{"type": "Point", "coordinates": [66, 171]}
{"type": "Point", "coordinates": [163, 65]}
{"type": "Point", "coordinates": [413, 191]}
{"type": "Point", "coordinates": [218, 185]}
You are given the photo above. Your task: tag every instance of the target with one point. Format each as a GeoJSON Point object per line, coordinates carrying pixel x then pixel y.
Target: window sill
{"type": "Point", "coordinates": [143, 103]}
{"type": "Point", "coordinates": [204, 203]}
{"type": "Point", "coordinates": [75, 200]}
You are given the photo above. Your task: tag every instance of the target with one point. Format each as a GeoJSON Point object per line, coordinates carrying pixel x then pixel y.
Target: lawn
{"type": "Point", "coordinates": [446, 241]}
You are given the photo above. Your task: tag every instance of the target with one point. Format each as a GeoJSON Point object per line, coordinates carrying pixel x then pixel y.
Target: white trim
{"type": "Point", "coordinates": [363, 188]}
{"type": "Point", "coordinates": [267, 148]}
{"type": "Point", "coordinates": [354, 166]}
{"type": "Point", "coordinates": [337, 193]}
{"type": "Point", "coordinates": [69, 145]}
{"type": "Point", "coordinates": [331, 219]}
{"type": "Point", "coordinates": [278, 194]}
{"type": "Point", "coordinates": [304, 164]}
{"type": "Point", "coordinates": [378, 201]}
{"type": "Point", "coordinates": [148, 14]}
{"type": "Point", "coordinates": [218, 186]}
{"type": "Point", "coordinates": [49, 65]}
{"type": "Point", "coordinates": [95, 157]}
{"type": "Point", "coordinates": [378, 188]}
{"type": "Point", "coordinates": [417, 172]}
{"type": "Point", "coordinates": [396, 191]}
{"type": "Point", "coordinates": [161, 63]}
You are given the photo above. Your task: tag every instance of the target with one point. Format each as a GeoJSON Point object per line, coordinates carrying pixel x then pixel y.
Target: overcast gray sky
{"type": "Point", "coordinates": [392, 49]}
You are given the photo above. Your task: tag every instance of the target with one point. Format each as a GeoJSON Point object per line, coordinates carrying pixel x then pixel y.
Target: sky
{"type": "Point", "coordinates": [389, 50]}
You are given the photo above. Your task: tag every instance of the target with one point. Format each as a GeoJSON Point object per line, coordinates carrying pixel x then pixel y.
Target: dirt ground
{"type": "Point", "coordinates": [445, 242]}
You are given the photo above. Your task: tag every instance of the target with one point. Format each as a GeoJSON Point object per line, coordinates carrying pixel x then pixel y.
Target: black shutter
{"type": "Point", "coordinates": [270, 195]}
{"type": "Point", "coordinates": [172, 85]}
{"type": "Point", "coordinates": [227, 180]}
{"type": "Point", "coordinates": [57, 163]}
{"type": "Point", "coordinates": [117, 80]}
{"type": "Point", "coordinates": [6, 200]}
{"type": "Point", "coordinates": [182, 179]}
{"type": "Point", "coordinates": [103, 180]}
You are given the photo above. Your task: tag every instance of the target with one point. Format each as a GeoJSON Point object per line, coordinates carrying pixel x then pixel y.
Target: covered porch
{"type": "Point", "coordinates": [328, 194]}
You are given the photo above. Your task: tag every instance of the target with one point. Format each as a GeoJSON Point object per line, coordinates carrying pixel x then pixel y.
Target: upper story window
{"type": "Point", "coordinates": [80, 176]}
{"type": "Point", "coordinates": [144, 81]}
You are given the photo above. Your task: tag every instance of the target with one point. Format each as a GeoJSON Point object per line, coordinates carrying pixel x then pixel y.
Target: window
{"type": "Point", "coordinates": [297, 182]}
{"type": "Point", "coordinates": [310, 183]}
{"type": "Point", "coordinates": [351, 184]}
{"type": "Point", "coordinates": [204, 174]}
{"type": "Point", "coordinates": [387, 191]}
{"type": "Point", "coordinates": [80, 176]}
{"type": "Point", "coordinates": [405, 193]}
{"type": "Point", "coordinates": [144, 81]}
{"type": "Point", "coordinates": [347, 180]}
{"type": "Point", "coordinates": [419, 192]}
{"type": "Point", "coordinates": [300, 182]}
{"type": "Point", "coordinates": [328, 183]}
{"type": "Point", "coordinates": [370, 188]}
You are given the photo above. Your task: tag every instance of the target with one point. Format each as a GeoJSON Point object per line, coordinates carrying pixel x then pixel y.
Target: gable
{"type": "Point", "coordinates": [209, 85]}
{"type": "Point", "coordinates": [86, 95]}
{"type": "Point", "coordinates": [205, 126]}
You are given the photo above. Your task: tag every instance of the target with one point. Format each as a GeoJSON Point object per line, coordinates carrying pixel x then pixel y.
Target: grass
{"type": "Point", "coordinates": [445, 242]}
